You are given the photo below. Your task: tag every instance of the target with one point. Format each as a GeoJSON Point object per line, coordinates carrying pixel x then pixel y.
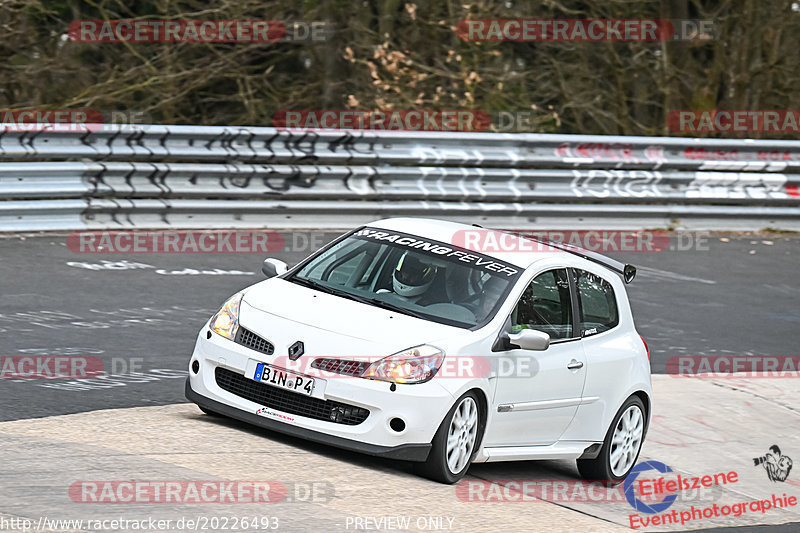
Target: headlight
{"type": "Point", "coordinates": [226, 321]}
{"type": "Point", "coordinates": [415, 365]}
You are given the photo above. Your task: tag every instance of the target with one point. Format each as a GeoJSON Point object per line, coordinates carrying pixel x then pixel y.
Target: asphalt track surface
{"type": "Point", "coordinates": [726, 294]}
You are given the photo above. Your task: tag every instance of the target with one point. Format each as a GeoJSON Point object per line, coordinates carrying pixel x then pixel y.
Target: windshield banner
{"type": "Point", "coordinates": [440, 249]}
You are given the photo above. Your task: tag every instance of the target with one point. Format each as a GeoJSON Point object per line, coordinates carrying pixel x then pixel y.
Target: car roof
{"type": "Point", "coordinates": [507, 247]}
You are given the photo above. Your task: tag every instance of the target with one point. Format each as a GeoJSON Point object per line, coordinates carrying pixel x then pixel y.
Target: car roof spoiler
{"type": "Point", "coordinates": [627, 271]}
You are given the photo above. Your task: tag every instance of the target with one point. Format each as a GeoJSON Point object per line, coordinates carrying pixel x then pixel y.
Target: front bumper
{"type": "Point", "coordinates": [421, 407]}
{"type": "Point", "coordinates": [405, 452]}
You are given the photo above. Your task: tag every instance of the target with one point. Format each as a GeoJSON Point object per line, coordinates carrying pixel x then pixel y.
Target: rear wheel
{"type": "Point", "coordinates": [621, 446]}
{"type": "Point", "coordinates": [455, 442]}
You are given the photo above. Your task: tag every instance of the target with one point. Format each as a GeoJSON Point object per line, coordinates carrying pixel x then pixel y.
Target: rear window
{"type": "Point", "coordinates": [597, 303]}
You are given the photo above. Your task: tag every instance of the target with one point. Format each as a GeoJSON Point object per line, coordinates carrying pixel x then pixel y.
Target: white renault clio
{"type": "Point", "coordinates": [438, 343]}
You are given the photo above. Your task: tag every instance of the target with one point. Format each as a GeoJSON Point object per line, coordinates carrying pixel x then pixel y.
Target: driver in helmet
{"type": "Point", "coordinates": [412, 277]}
{"type": "Point", "coordinates": [490, 294]}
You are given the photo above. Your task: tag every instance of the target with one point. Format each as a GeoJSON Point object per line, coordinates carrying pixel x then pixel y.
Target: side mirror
{"type": "Point", "coordinates": [530, 339]}
{"type": "Point", "coordinates": [273, 267]}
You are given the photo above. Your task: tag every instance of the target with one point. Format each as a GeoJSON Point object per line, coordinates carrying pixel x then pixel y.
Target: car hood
{"type": "Point", "coordinates": [284, 312]}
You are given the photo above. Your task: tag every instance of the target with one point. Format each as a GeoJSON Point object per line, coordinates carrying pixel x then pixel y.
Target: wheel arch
{"type": "Point", "coordinates": [645, 400]}
{"type": "Point", "coordinates": [642, 395]}
{"type": "Point", "coordinates": [483, 405]}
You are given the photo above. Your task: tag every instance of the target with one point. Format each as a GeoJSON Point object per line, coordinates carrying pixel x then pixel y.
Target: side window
{"type": "Point", "coordinates": [597, 304]}
{"type": "Point", "coordinates": [545, 305]}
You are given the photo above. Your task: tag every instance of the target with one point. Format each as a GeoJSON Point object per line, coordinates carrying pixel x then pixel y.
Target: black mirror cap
{"type": "Point", "coordinates": [629, 272]}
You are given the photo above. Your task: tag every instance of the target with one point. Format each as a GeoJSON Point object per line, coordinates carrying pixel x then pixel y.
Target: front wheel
{"type": "Point", "coordinates": [455, 442]}
{"type": "Point", "coordinates": [621, 446]}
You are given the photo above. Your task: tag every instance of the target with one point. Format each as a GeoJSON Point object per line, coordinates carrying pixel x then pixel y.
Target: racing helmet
{"type": "Point", "coordinates": [411, 276]}
{"type": "Point", "coordinates": [492, 290]}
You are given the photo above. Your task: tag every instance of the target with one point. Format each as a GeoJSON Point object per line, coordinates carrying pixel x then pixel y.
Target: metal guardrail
{"type": "Point", "coordinates": [192, 176]}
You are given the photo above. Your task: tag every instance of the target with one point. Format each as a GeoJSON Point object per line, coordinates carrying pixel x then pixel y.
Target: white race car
{"type": "Point", "coordinates": [405, 339]}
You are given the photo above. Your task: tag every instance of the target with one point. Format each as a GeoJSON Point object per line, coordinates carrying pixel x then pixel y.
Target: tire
{"type": "Point", "coordinates": [465, 441]}
{"type": "Point", "coordinates": [601, 468]}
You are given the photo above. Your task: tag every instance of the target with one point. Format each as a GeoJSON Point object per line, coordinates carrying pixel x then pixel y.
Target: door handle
{"type": "Point", "coordinates": [575, 365]}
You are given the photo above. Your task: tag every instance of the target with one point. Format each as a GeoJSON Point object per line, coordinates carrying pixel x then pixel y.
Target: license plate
{"type": "Point", "coordinates": [284, 379]}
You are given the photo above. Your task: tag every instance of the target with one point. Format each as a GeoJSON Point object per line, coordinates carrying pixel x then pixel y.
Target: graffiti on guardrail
{"type": "Point", "coordinates": [625, 183]}
{"type": "Point", "coordinates": [120, 176]}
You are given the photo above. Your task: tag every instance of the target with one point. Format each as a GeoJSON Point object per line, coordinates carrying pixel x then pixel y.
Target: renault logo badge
{"type": "Point", "coordinates": [296, 350]}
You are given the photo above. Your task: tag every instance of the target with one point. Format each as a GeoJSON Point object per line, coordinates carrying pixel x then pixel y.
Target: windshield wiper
{"type": "Point", "coordinates": [311, 284]}
{"type": "Point", "coordinates": [390, 306]}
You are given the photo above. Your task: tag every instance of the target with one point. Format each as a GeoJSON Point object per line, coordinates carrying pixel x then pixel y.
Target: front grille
{"type": "Point", "coordinates": [289, 402]}
{"type": "Point", "coordinates": [247, 338]}
{"type": "Point", "coordinates": [341, 366]}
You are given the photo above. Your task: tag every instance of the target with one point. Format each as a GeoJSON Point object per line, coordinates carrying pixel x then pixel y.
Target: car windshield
{"type": "Point", "coordinates": [412, 275]}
